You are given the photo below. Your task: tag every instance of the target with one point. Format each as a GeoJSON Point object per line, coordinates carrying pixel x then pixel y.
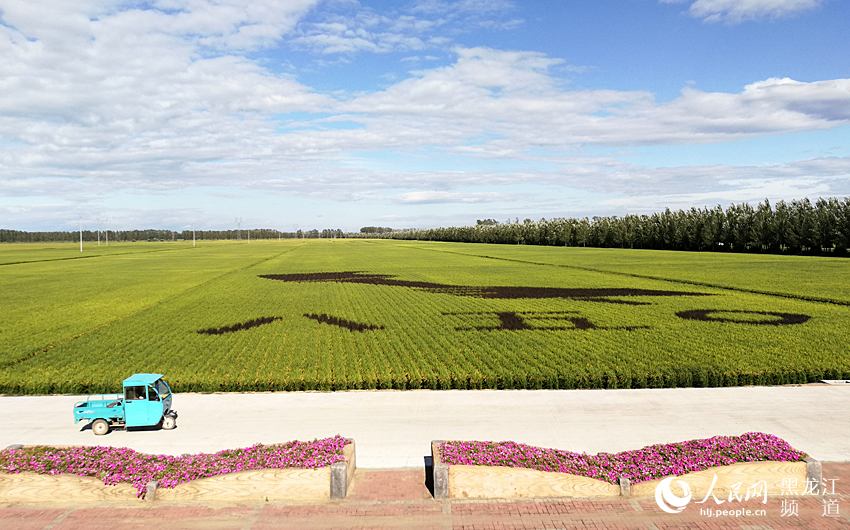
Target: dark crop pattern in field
{"type": "Point", "coordinates": [386, 314]}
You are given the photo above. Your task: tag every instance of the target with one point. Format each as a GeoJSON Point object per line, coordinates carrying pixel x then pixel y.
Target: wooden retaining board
{"type": "Point", "coordinates": [254, 486]}
{"type": "Point", "coordinates": [745, 474]}
{"type": "Point", "coordinates": [494, 482]}
{"type": "Point", "coordinates": [35, 488]}
{"type": "Point", "coordinates": [350, 454]}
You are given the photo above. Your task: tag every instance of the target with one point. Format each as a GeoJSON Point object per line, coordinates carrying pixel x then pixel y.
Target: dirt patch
{"type": "Point", "coordinates": [781, 319]}
{"type": "Point", "coordinates": [248, 324]}
{"type": "Point", "coordinates": [350, 325]}
{"type": "Point", "coordinates": [501, 292]}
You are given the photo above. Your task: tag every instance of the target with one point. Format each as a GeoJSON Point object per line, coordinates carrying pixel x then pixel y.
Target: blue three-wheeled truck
{"type": "Point", "coordinates": [146, 402]}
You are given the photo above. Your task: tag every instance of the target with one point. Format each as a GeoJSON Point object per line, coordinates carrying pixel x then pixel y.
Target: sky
{"type": "Point", "coordinates": [337, 113]}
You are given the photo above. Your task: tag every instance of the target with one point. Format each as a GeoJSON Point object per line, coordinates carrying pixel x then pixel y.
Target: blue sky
{"type": "Point", "coordinates": [338, 113]}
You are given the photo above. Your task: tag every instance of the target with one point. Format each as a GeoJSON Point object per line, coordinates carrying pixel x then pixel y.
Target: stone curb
{"type": "Point", "coordinates": [814, 471]}
{"type": "Point", "coordinates": [150, 494]}
{"type": "Point", "coordinates": [339, 480]}
{"type": "Point", "coordinates": [625, 487]}
{"type": "Point", "coordinates": [342, 473]}
{"type": "Point", "coordinates": [440, 472]}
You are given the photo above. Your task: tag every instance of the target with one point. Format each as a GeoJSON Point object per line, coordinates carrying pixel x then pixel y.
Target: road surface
{"type": "Point", "coordinates": [393, 429]}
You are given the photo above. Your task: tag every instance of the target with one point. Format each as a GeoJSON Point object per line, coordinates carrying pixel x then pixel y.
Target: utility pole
{"type": "Point", "coordinates": [81, 238]}
{"type": "Point", "coordinates": [193, 238]}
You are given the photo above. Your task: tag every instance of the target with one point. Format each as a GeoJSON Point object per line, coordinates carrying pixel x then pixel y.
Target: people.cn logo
{"type": "Point", "coordinates": [669, 501]}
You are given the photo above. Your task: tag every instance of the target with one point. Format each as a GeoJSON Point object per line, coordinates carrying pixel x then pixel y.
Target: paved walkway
{"type": "Point", "coordinates": [398, 499]}
{"type": "Point", "coordinates": [394, 429]}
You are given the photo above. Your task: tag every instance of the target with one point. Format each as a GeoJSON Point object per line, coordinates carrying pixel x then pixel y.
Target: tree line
{"type": "Point", "coordinates": [795, 227]}
{"type": "Point", "coordinates": [20, 236]}
{"type": "Point", "coordinates": [375, 229]}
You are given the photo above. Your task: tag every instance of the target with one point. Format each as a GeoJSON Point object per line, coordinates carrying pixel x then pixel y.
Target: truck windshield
{"type": "Point", "coordinates": [134, 392]}
{"type": "Point", "coordinates": [162, 388]}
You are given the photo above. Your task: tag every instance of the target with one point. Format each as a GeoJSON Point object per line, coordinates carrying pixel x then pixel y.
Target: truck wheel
{"type": "Point", "coordinates": [169, 422]}
{"type": "Point", "coordinates": [100, 427]}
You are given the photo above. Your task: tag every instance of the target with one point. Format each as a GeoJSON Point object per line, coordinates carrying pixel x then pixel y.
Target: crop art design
{"type": "Point", "coordinates": [477, 291]}
{"type": "Point", "coordinates": [717, 315]}
{"type": "Point", "coordinates": [239, 326]}
{"type": "Point", "coordinates": [350, 325]}
{"type": "Point", "coordinates": [505, 320]}
{"type": "Point", "coordinates": [536, 320]}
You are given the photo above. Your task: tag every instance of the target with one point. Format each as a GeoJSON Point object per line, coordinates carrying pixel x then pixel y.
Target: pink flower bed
{"type": "Point", "coordinates": [114, 465]}
{"type": "Point", "coordinates": [640, 465]}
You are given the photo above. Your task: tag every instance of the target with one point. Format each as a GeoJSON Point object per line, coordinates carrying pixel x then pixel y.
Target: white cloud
{"type": "Point", "coordinates": [750, 191]}
{"type": "Point", "coordinates": [354, 28]}
{"type": "Point", "coordinates": [717, 180]}
{"type": "Point", "coordinates": [512, 99]}
{"type": "Point", "coordinates": [128, 95]}
{"type": "Point", "coordinates": [167, 99]}
{"type": "Point", "coordinates": [442, 197]}
{"type": "Point", "coordinates": [228, 24]}
{"type": "Point", "coordinates": [105, 111]}
{"type": "Point", "coordinates": [735, 11]}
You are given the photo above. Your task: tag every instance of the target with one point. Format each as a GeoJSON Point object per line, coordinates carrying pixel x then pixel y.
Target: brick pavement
{"type": "Point", "coordinates": [399, 499]}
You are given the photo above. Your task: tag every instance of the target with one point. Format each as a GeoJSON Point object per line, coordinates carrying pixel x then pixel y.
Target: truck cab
{"type": "Point", "coordinates": [145, 402]}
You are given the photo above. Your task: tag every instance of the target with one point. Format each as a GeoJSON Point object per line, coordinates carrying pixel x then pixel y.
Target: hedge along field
{"type": "Point", "coordinates": [386, 315]}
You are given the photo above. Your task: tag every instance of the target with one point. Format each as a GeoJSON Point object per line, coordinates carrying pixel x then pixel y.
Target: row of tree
{"type": "Point", "coordinates": [375, 229]}
{"type": "Point", "coordinates": [19, 236]}
{"type": "Point", "coordinates": [796, 227]}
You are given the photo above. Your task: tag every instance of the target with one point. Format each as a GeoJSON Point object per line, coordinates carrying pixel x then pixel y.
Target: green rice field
{"type": "Point", "coordinates": [355, 314]}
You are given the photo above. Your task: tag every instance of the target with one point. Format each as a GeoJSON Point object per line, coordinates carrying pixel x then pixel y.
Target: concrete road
{"type": "Point", "coordinates": [394, 429]}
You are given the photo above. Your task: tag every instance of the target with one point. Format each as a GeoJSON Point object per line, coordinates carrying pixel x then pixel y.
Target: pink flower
{"type": "Point", "coordinates": [117, 465]}
{"type": "Point", "coordinates": [639, 465]}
